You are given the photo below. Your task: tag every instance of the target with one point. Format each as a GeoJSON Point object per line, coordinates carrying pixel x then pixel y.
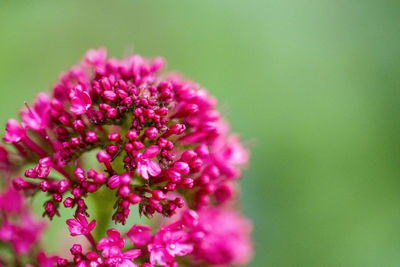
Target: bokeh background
{"type": "Point", "coordinates": [313, 86]}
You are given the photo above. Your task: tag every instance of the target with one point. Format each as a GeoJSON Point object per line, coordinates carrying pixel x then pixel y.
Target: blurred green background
{"type": "Point", "coordinates": [313, 85]}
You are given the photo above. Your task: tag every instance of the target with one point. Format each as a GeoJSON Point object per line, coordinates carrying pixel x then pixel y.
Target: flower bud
{"type": "Point", "coordinates": [113, 182]}
{"type": "Point", "coordinates": [181, 167]}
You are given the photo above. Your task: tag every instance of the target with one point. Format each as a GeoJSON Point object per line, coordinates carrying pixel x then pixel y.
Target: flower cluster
{"type": "Point", "coordinates": [156, 142]}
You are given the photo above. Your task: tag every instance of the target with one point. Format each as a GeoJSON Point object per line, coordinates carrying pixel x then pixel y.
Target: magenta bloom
{"type": "Point", "coordinates": [96, 56]}
{"type": "Point", "coordinates": [80, 101]}
{"type": "Point", "coordinates": [224, 238]}
{"type": "Point", "coordinates": [122, 259]}
{"type": "Point", "coordinates": [106, 244]}
{"type": "Point", "coordinates": [38, 117]}
{"type": "Point", "coordinates": [14, 132]}
{"type": "Point", "coordinates": [11, 201]}
{"type": "Point", "coordinates": [167, 245]}
{"type": "Point", "coordinates": [46, 261]}
{"type": "Point", "coordinates": [111, 247]}
{"type": "Point", "coordinates": [41, 170]}
{"type": "Point", "coordinates": [230, 155]}
{"type": "Point", "coordinates": [145, 165]}
{"type": "Point", "coordinates": [80, 225]}
{"type": "Point", "coordinates": [124, 137]}
{"type": "Point", "coordinates": [140, 235]}
{"type": "Point", "coordinates": [23, 234]}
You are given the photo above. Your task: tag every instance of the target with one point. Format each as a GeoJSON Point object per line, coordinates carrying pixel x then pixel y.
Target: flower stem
{"type": "Point", "coordinates": [103, 201]}
{"type": "Point", "coordinates": [91, 239]}
{"type": "Point", "coordinates": [34, 147]}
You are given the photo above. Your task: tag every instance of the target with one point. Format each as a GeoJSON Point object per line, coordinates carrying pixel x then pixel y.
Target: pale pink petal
{"type": "Point", "coordinates": [96, 56]}
{"type": "Point", "coordinates": [176, 237]}
{"type": "Point", "coordinates": [132, 254]}
{"type": "Point", "coordinates": [180, 249]}
{"type": "Point", "coordinates": [151, 152]}
{"type": "Point", "coordinates": [86, 99]}
{"type": "Point", "coordinates": [115, 252]}
{"type": "Point", "coordinates": [142, 170]}
{"type": "Point", "coordinates": [160, 256]}
{"type": "Point", "coordinates": [127, 263]}
{"type": "Point", "coordinates": [153, 168]}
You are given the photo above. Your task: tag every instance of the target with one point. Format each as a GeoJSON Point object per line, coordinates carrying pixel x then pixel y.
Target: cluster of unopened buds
{"type": "Point", "coordinates": [116, 132]}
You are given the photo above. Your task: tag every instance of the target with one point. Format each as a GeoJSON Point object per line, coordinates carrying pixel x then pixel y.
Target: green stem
{"type": "Point", "coordinates": [103, 200]}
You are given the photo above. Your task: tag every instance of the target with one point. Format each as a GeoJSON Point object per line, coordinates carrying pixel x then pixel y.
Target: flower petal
{"type": "Point", "coordinates": [151, 152]}
{"type": "Point", "coordinates": [114, 234]}
{"type": "Point", "coordinates": [153, 168]}
{"type": "Point", "coordinates": [74, 227]}
{"type": "Point", "coordinates": [180, 249]}
{"type": "Point", "coordinates": [91, 225]}
{"type": "Point", "coordinates": [132, 254]}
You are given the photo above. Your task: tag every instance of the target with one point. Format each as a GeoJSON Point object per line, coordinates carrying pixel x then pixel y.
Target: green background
{"type": "Point", "coordinates": [312, 85]}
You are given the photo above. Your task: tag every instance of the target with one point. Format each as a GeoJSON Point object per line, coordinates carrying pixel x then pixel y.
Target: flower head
{"type": "Point", "coordinates": [162, 148]}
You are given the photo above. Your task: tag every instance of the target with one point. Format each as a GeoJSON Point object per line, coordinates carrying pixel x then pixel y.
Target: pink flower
{"type": "Point", "coordinates": [80, 101]}
{"type": "Point", "coordinates": [11, 201]}
{"type": "Point", "coordinates": [80, 225]}
{"type": "Point", "coordinates": [96, 56]}
{"type": "Point", "coordinates": [38, 117]}
{"type": "Point", "coordinates": [229, 154]}
{"type": "Point", "coordinates": [107, 243]}
{"type": "Point", "coordinates": [7, 231]}
{"type": "Point", "coordinates": [174, 243]}
{"type": "Point", "coordinates": [140, 235]}
{"type": "Point", "coordinates": [138, 123]}
{"type": "Point", "coordinates": [159, 255]}
{"type": "Point", "coordinates": [122, 259]}
{"type": "Point", "coordinates": [224, 237]}
{"type": "Point", "coordinates": [41, 170]}
{"type": "Point", "coordinates": [45, 261]}
{"type": "Point", "coordinates": [23, 234]}
{"type": "Point", "coordinates": [145, 165]}
{"type": "Point", "coordinates": [167, 244]}
{"type": "Point", "coordinates": [14, 132]}
{"type": "Point", "coordinates": [94, 260]}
